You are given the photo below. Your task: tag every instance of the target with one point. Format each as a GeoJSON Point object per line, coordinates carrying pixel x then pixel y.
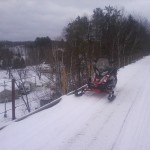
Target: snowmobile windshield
{"type": "Point", "coordinates": [102, 64]}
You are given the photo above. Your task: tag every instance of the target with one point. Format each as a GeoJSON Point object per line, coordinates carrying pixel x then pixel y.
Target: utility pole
{"type": "Point", "coordinates": [5, 114]}
{"type": "Point", "coordinates": [13, 99]}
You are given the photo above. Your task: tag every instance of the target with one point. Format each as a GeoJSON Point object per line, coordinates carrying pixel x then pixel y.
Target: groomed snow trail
{"type": "Point", "coordinates": [91, 122]}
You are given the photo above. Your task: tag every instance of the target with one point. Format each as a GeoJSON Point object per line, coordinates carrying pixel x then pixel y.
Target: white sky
{"type": "Point", "coordinates": [28, 19]}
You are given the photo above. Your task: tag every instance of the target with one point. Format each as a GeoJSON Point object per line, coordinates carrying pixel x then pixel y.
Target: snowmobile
{"type": "Point", "coordinates": [104, 80]}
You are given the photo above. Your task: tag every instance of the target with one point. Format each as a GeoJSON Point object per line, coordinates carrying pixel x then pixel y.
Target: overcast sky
{"type": "Point", "coordinates": [23, 20]}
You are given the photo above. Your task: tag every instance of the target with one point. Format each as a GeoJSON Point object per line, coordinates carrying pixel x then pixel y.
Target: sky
{"type": "Point", "coordinates": [24, 20]}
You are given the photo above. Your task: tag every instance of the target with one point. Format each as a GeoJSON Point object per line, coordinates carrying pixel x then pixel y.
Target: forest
{"type": "Point", "coordinates": [109, 33]}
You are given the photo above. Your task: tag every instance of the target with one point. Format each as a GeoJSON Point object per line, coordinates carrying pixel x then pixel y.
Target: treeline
{"type": "Point", "coordinates": [107, 33]}
{"type": "Point", "coordinates": [43, 49]}
{"type": "Point", "coordinates": [19, 54]}
{"type": "Point", "coordinates": [9, 59]}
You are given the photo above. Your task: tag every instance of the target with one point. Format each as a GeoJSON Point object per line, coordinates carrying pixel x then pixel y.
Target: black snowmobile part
{"type": "Point", "coordinates": [79, 92]}
{"type": "Point", "coordinates": [111, 96]}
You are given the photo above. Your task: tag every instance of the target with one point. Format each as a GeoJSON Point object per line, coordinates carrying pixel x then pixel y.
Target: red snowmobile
{"type": "Point", "coordinates": [104, 80]}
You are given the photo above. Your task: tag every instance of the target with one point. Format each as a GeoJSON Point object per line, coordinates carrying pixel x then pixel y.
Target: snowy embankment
{"type": "Point", "coordinates": [91, 122]}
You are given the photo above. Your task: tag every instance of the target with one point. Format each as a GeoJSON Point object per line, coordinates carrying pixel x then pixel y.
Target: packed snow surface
{"type": "Point", "coordinates": [91, 122]}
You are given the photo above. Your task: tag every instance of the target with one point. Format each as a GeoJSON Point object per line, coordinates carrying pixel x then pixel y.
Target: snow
{"type": "Point", "coordinates": [40, 92]}
{"type": "Point", "coordinates": [90, 122]}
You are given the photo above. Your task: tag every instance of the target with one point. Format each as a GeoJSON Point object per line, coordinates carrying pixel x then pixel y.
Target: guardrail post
{"type": "Point", "coordinates": [13, 99]}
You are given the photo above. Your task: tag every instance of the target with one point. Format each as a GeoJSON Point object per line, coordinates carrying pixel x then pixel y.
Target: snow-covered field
{"type": "Point", "coordinates": [91, 122]}
{"type": "Point", "coordinates": [40, 91]}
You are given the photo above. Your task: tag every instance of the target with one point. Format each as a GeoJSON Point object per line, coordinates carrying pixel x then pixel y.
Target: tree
{"type": "Point", "coordinates": [109, 33]}
{"type": "Point", "coordinates": [22, 63]}
{"type": "Point", "coordinates": [43, 45]}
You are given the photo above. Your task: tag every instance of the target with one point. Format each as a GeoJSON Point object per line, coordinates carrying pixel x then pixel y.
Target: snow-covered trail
{"type": "Point", "coordinates": [91, 122]}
